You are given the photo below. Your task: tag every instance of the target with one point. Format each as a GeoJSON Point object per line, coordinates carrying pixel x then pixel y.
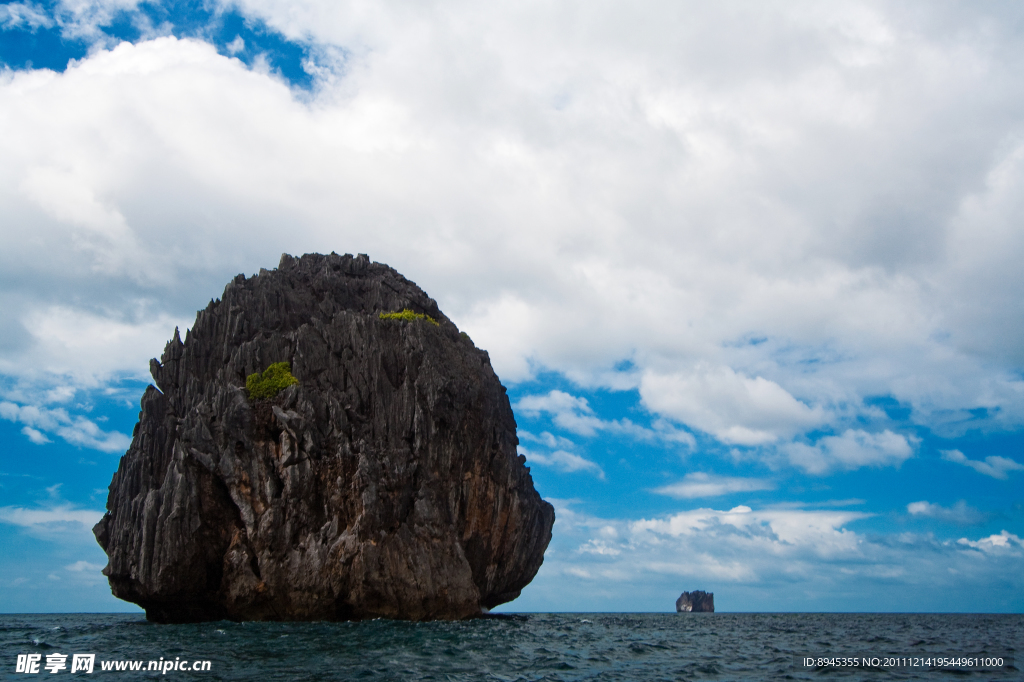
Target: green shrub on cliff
{"type": "Point", "coordinates": [408, 316]}
{"type": "Point", "coordinates": [272, 381]}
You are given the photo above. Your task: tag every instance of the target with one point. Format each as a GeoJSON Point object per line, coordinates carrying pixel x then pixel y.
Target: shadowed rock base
{"type": "Point", "coordinates": [386, 483]}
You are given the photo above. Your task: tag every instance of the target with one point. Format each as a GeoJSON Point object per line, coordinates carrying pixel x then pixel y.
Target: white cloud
{"type": "Point", "coordinates": [563, 461]}
{"type": "Point", "coordinates": [764, 559]}
{"type": "Point", "coordinates": [734, 408]}
{"type": "Point", "coordinates": [821, 531]}
{"type": "Point", "coordinates": [21, 15]}
{"type": "Point", "coordinates": [76, 430]}
{"type": "Point", "coordinates": [98, 229]}
{"type": "Point", "coordinates": [994, 466]}
{"type": "Point", "coordinates": [52, 519]}
{"type": "Point", "coordinates": [81, 566]}
{"type": "Point", "coordinates": [855, 448]}
{"type": "Point", "coordinates": [237, 45]}
{"type": "Point", "coordinates": [600, 547]}
{"type": "Point", "coordinates": [86, 347]}
{"type": "Point", "coordinates": [961, 513]}
{"type": "Point", "coordinates": [739, 545]}
{"type": "Point", "coordinates": [571, 413]}
{"type": "Point", "coordinates": [77, 19]}
{"type": "Point", "coordinates": [699, 484]}
{"type": "Point", "coordinates": [547, 439]}
{"type": "Point", "coordinates": [83, 18]}
{"type": "Point", "coordinates": [1003, 543]}
{"type": "Point", "coordinates": [575, 415]}
{"type": "Point", "coordinates": [35, 436]}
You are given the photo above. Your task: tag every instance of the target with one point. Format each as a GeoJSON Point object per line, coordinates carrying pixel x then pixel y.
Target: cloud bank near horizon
{"type": "Point", "coordinates": [769, 559]}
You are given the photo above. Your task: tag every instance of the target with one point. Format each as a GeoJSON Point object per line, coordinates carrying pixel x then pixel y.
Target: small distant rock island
{"type": "Point", "coordinates": [696, 602]}
{"type": "Point", "coordinates": [323, 445]}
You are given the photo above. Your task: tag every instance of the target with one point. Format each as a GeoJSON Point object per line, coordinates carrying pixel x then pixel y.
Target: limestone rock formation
{"type": "Point", "coordinates": [385, 483]}
{"type": "Point", "coordinates": [697, 602]}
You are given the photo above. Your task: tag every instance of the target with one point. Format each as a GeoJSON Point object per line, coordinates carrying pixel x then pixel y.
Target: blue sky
{"type": "Point", "coordinates": [750, 271]}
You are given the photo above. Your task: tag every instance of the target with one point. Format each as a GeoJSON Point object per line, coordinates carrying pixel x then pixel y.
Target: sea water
{"type": "Point", "coordinates": [567, 646]}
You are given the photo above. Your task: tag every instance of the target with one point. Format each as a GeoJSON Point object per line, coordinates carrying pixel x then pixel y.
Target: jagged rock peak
{"type": "Point", "coordinates": [385, 483]}
{"type": "Point", "coordinates": [698, 601]}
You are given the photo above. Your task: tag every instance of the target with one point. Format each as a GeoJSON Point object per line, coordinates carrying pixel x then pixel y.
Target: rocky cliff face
{"type": "Point", "coordinates": [697, 602]}
{"type": "Point", "coordinates": [384, 484]}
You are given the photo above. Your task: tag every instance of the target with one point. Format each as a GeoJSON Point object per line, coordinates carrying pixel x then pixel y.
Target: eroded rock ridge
{"type": "Point", "coordinates": [385, 483]}
{"type": "Point", "coordinates": [698, 601]}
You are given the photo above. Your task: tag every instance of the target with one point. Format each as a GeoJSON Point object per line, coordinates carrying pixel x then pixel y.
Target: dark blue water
{"type": "Point", "coordinates": [658, 646]}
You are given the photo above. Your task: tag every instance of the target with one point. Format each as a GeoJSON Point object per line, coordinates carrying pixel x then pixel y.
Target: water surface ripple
{"type": "Point", "coordinates": [534, 647]}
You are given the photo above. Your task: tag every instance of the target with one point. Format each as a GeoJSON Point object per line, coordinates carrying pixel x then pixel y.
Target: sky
{"type": "Point", "coordinates": [749, 270]}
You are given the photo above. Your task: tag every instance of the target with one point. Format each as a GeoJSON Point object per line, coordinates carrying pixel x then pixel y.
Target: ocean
{"type": "Point", "coordinates": [555, 646]}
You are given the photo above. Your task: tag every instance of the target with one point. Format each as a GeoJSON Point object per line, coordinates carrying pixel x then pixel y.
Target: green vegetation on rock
{"type": "Point", "coordinates": [272, 381]}
{"type": "Point", "coordinates": [408, 316]}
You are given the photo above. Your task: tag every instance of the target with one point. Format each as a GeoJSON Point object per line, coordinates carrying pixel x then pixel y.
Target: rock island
{"type": "Point", "coordinates": [323, 445]}
{"type": "Point", "coordinates": [698, 601]}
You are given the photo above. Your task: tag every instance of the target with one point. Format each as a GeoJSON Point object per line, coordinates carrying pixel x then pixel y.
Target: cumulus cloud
{"type": "Point", "coordinates": [87, 348]}
{"type": "Point", "coordinates": [706, 205]}
{"type": "Point", "coordinates": [766, 559]}
{"type": "Point", "coordinates": [35, 436]}
{"type": "Point", "coordinates": [24, 15]}
{"type": "Point", "coordinates": [82, 565]}
{"type": "Point", "coordinates": [739, 545]}
{"type": "Point", "coordinates": [571, 413]}
{"type": "Point", "coordinates": [700, 484]}
{"type": "Point", "coordinates": [1003, 543]}
{"type": "Point", "coordinates": [732, 407]}
{"type": "Point", "coordinates": [86, 20]}
{"type": "Point", "coordinates": [853, 449]}
{"type": "Point", "coordinates": [822, 529]}
{"type": "Point", "coordinates": [546, 438]}
{"type": "Point", "coordinates": [563, 461]}
{"type": "Point", "coordinates": [575, 415]}
{"type": "Point", "coordinates": [599, 547]}
{"type": "Point", "coordinates": [994, 466]}
{"type": "Point", "coordinates": [961, 513]}
{"type": "Point", "coordinates": [76, 430]}
{"type": "Point", "coordinates": [53, 519]}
